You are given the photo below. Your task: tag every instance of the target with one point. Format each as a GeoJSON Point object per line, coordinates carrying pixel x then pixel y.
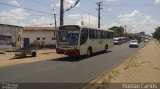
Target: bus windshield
{"type": "Point", "coordinates": [68, 37]}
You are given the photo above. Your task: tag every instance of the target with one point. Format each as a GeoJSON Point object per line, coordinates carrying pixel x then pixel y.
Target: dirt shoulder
{"type": "Point", "coordinates": [6, 59]}
{"type": "Point", "coordinates": [142, 67]}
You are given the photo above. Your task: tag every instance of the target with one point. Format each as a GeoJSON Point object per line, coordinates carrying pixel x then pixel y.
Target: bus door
{"type": "Point", "coordinates": [84, 41]}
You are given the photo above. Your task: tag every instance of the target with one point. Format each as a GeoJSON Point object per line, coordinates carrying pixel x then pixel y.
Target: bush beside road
{"type": "Point", "coordinates": [142, 67]}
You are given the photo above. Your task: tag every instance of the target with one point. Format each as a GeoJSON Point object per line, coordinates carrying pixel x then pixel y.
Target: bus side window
{"type": "Point", "coordinates": [84, 36]}
{"type": "Point", "coordinates": [91, 34]}
{"type": "Point", "coordinates": [109, 35]}
{"type": "Point", "coordinates": [95, 34]}
{"type": "Point", "coordinates": [105, 35]}
{"type": "Point", "coordinates": [102, 36]}
{"type": "Point", "coordinates": [99, 34]}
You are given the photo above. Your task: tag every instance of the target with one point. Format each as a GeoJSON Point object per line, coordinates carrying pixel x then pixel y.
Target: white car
{"type": "Point", "coordinates": [134, 43]}
{"type": "Point", "coordinates": [146, 40]}
{"type": "Point", "coordinates": [116, 41]}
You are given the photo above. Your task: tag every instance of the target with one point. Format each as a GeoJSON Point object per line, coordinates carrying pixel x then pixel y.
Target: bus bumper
{"type": "Point", "coordinates": [72, 52]}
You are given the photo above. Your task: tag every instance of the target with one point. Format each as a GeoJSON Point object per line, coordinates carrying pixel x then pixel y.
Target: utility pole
{"type": "Point", "coordinates": [61, 12]}
{"type": "Point", "coordinates": [125, 26]}
{"type": "Point", "coordinates": [89, 19]}
{"type": "Point", "coordinates": [82, 23]}
{"type": "Point", "coordinates": [55, 20]}
{"type": "Point", "coordinates": [99, 13]}
{"type": "Point", "coordinates": [125, 30]}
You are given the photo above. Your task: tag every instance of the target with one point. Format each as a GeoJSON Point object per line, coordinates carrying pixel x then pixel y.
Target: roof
{"type": "Point", "coordinates": [10, 25]}
{"type": "Point", "coordinates": [39, 28]}
{"type": "Point", "coordinates": [90, 27]}
{"type": "Point", "coordinates": [31, 28]}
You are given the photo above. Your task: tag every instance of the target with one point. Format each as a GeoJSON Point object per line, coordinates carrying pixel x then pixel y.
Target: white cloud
{"type": "Point", "coordinates": [111, 0]}
{"type": "Point", "coordinates": [52, 5]}
{"type": "Point", "coordinates": [15, 14]}
{"type": "Point", "coordinates": [139, 21]}
{"type": "Point", "coordinates": [57, 5]}
{"type": "Point", "coordinates": [88, 20]}
{"type": "Point", "coordinates": [157, 2]}
{"type": "Point", "coordinates": [126, 18]}
{"type": "Point", "coordinates": [148, 24]}
{"type": "Point", "coordinates": [74, 16]}
{"type": "Point", "coordinates": [110, 9]}
{"type": "Point", "coordinates": [148, 20]}
{"type": "Point", "coordinates": [67, 3]}
{"type": "Point", "coordinates": [14, 2]}
{"type": "Point", "coordinates": [41, 21]}
{"type": "Point", "coordinates": [106, 26]}
{"type": "Point", "coordinates": [133, 14]}
{"type": "Point", "coordinates": [135, 20]}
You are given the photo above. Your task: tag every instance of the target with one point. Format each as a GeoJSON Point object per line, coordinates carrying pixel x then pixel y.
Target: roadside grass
{"type": "Point", "coordinates": [157, 42]}
{"type": "Point", "coordinates": [132, 62]}
{"type": "Point", "coordinates": [105, 82]}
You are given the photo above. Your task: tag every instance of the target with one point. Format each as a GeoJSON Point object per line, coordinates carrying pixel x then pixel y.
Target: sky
{"type": "Point", "coordinates": [138, 15]}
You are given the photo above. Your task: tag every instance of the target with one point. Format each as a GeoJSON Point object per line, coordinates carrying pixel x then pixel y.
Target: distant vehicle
{"type": "Point", "coordinates": [119, 40]}
{"type": "Point", "coordinates": [75, 40]}
{"type": "Point", "coordinates": [133, 43]}
{"type": "Point", "coordinates": [139, 39]}
{"type": "Point", "coordinates": [146, 40]}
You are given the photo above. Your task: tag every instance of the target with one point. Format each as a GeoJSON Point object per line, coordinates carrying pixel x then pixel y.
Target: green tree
{"type": "Point", "coordinates": [156, 34]}
{"type": "Point", "coordinates": [118, 31]}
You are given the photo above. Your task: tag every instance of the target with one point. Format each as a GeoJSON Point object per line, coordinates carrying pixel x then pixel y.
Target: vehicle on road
{"type": "Point", "coordinates": [134, 43]}
{"type": "Point", "coordinates": [146, 40]}
{"type": "Point", "coordinates": [119, 40]}
{"type": "Point", "coordinates": [75, 40]}
{"type": "Point", "coordinates": [23, 52]}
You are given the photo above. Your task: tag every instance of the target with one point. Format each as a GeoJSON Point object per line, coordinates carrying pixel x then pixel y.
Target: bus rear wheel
{"type": "Point", "coordinates": [106, 49]}
{"type": "Point", "coordinates": [89, 52]}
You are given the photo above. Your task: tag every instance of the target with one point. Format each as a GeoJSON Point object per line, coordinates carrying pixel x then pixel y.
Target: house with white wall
{"type": "Point", "coordinates": [10, 37]}
{"type": "Point", "coordinates": [44, 36]}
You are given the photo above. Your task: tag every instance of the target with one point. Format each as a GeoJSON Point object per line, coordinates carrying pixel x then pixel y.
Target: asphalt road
{"type": "Point", "coordinates": [65, 70]}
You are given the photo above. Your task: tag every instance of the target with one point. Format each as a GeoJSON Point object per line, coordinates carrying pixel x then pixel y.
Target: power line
{"type": "Point", "coordinates": [48, 13]}
{"type": "Point", "coordinates": [82, 10]}
{"type": "Point", "coordinates": [130, 5]}
{"type": "Point", "coordinates": [18, 15]}
{"type": "Point", "coordinates": [14, 17]}
{"type": "Point", "coordinates": [86, 12]}
{"type": "Point", "coordinates": [42, 3]}
{"type": "Point", "coordinates": [26, 8]}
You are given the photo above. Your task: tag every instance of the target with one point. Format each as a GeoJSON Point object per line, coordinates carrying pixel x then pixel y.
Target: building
{"type": "Point", "coordinates": [16, 37]}
{"type": "Point", "coordinates": [10, 37]}
{"type": "Point", "coordinates": [41, 36]}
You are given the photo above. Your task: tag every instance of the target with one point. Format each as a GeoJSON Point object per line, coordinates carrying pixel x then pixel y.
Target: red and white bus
{"type": "Point", "coordinates": [75, 40]}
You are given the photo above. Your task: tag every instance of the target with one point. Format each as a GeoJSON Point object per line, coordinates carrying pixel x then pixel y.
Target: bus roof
{"type": "Point", "coordinates": [81, 26]}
